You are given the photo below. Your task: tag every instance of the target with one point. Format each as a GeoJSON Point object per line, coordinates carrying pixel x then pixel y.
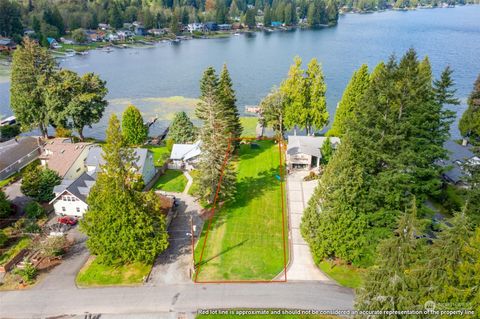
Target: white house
{"type": "Point", "coordinates": [185, 156]}
{"type": "Point", "coordinates": [70, 196]}
{"type": "Point", "coordinates": [65, 157]}
{"type": "Point", "coordinates": [303, 152]}
{"type": "Point", "coordinates": [191, 27]}
{"type": "Point", "coordinates": [143, 163]}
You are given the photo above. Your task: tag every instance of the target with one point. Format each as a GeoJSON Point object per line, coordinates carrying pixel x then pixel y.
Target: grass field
{"type": "Point", "coordinates": [160, 154]}
{"type": "Point", "coordinates": [345, 275]}
{"type": "Point", "coordinates": [95, 274]}
{"type": "Point", "coordinates": [171, 181]}
{"type": "Point", "coordinates": [245, 241]}
{"type": "Point", "coordinates": [249, 125]}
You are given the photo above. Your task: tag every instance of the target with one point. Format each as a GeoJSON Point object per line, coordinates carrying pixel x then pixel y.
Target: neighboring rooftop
{"type": "Point", "coordinates": [80, 187]}
{"type": "Point", "coordinates": [185, 151]}
{"type": "Point", "coordinates": [15, 149]}
{"type": "Point", "coordinates": [61, 153]}
{"type": "Point", "coordinates": [309, 145]}
{"type": "Point", "coordinates": [95, 159]}
{"type": "Point", "coordinates": [459, 155]}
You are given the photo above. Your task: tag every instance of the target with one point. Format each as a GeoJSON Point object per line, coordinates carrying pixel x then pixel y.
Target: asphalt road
{"type": "Point", "coordinates": [173, 298]}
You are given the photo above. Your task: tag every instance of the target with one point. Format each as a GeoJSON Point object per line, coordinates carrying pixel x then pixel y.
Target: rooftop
{"type": "Point", "coordinates": [61, 153]}
{"type": "Point", "coordinates": [309, 145]}
{"type": "Point", "coordinates": [95, 159]}
{"type": "Point", "coordinates": [185, 151]}
{"type": "Point", "coordinates": [80, 187]}
{"type": "Point", "coordinates": [13, 150]}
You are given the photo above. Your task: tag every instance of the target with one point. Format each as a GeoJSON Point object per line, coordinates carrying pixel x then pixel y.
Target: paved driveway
{"type": "Point", "coordinates": [15, 195]}
{"type": "Point", "coordinates": [174, 264]}
{"type": "Point", "coordinates": [301, 265]}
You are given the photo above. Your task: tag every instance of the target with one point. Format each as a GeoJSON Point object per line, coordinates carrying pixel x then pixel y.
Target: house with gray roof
{"type": "Point", "coordinates": [304, 152]}
{"type": "Point", "coordinates": [18, 153]}
{"type": "Point", "coordinates": [143, 162]}
{"type": "Point", "coordinates": [71, 196]}
{"type": "Point", "coordinates": [185, 156]}
{"type": "Point", "coordinates": [459, 157]}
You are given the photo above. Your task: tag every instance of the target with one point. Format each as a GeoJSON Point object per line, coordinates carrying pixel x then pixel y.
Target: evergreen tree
{"type": "Point", "coordinates": [181, 130]}
{"type": "Point", "coordinates": [10, 19]}
{"type": "Point", "coordinates": [444, 93]}
{"type": "Point", "coordinates": [292, 89]}
{"type": "Point", "coordinates": [389, 284]}
{"type": "Point", "coordinates": [273, 112]}
{"type": "Point", "coordinates": [115, 16]}
{"type": "Point", "coordinates": [315, 107]}
{"type": "Point", "coordinates": [139, 232]}
{"type": "Point", "coordinates": [470, 121]}
{"type": "Point", "coordinates": [250, 19]}
{"type": "Point", "coordinates": [32, 67]}
{"type": "Point", "coordinates": [5, 207]}
{"type": "Point", "coordinates": [327, 151]}
{"type": "Point", "coordinates": [350, 102]}
{"type": "Point", "coordinates": [227, 98]}
{"type": "Point", "coordinates": [214, 168]}
{"type": "Point", "coordinates": [38, 183]}
{"type": "Point", "coordinates": [332, 12]}
{"type": "Point", "coordinates": [135, 132]}
{"type": "Point", "coordinates": [267, 16]}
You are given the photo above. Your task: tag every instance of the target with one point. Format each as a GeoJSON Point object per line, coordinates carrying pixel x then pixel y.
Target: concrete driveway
{"type": "Point", "coordinates": [174, 265]}
{"type": "Point", "coordinates": [301, 265]}
{"type": "Point", "coordinates": [15, 195]}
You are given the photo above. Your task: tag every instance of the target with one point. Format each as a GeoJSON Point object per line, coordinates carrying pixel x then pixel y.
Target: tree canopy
{"type": "Point", "coordinates": [134, 130]}
{"type": "Point", "coordinates": [122, 224]}
{"type": "Point", "coordinates": [470, 121]}
{"type": "Point", "coordinates": [181, 130]}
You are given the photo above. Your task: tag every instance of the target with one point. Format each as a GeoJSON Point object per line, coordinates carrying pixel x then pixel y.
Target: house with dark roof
{"type": "Point", "coordinates": [460, 155]}
{"type": "Point", "coordinates": [18, 153]}
{"type": "Point", "coordinates": [71, 196]}
{"type": "Point", "coordinates": [7, 45]}
{"type": "Point", "coordinates": [143, 162]}
{"type": "Point", "coordinates": [304, 152]}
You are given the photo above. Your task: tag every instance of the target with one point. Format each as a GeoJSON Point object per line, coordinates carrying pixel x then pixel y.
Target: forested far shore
{"type": "Point", "coordinates": [53, 19]}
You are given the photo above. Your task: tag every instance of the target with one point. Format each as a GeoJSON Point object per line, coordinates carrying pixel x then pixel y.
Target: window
{"type": "Point", "coordinates": [63, 209]}
{"type": "Point", "coordinates": [78, 209]}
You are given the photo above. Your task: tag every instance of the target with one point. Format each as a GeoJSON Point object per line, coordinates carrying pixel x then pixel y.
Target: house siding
{"type": "Point", "coordinates": [149, 169]}
{"type": "Point", "coordinates": [78, 167]}
{"type": "Point", "coordinates": [70, 206]}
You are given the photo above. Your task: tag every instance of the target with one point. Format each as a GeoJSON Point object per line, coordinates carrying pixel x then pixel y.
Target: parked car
{"type": "Point", "coordinates": [66, 220]}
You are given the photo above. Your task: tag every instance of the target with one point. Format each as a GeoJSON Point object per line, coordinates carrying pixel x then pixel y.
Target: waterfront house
{"type": "Point", "coordinates": [276, 24]}
{"type": "Point", "coordinates": [112, 37]}
{"type": "Point", "coordinates": [71, 196]}
{"type": "Point", "coordinates": [304, 152]}
{"type": "Point", "coordinates": [460, 155]}
{"type": "Point", "coordinates": [211, 26]}
{"type": "Point", "coordinates": [124, 34]}
{"type": "Point", "coordinates": [65, 157]}
{"type": "Point", "coordinates": [157, 32]}
{"type": "Point", "coordinates": [192, 27]}
{"type": "Point", "coordinates": [53, 43]}
{"type": "Point", "coordinates": [7, 45]}
{"type": "Point", "coordinates": [140, 30]}
{"type": "Point", "coordinates": [224, 27]}
{"type": "Point", "coordinates": [18, 153]}
{"type": "Point", "coordinates": [143, 162]}
{"type": "Point", "coordinates": [104, 26]}
{"type": "Point", "coordinates": [185, 156]}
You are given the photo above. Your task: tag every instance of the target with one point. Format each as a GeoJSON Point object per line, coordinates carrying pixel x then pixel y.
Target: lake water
{"type": "Point", "coordinates": [165, 78]}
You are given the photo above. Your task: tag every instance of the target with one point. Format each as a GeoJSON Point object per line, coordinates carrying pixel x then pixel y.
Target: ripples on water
{"type": "Point", "coordinates": [256, 63]}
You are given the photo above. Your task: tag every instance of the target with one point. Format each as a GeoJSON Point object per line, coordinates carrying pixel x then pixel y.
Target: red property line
{"type": "Point", "coordinates": [227, 155]}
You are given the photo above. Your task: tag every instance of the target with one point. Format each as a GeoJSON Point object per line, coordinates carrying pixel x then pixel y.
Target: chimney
{"type": "Point", "coordinates": [464, 142]}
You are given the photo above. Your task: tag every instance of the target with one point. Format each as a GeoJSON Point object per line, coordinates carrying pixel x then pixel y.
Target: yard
{"type": "Point", "coordinates": [249, 125]}
{"type": "Point", "coordinates": [245, 241]}
{"type": "Point", "coordinates": [160, 154]}
{"type": "Point", "coordinates": [94, 274]}
{"type": "Point", "coordinates": [171, 181]}
{"type": "Point", "coordinates": [345, 275]}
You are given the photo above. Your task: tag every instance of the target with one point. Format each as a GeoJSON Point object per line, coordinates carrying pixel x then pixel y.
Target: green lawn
{"type": "Point", "coordinates": [96, 274]}
{"type": "Point", "coordinates": [246, 236]}
{"type": "Point", "coordinates": [249, 125]}
{"type": "Point", "coordinates": [14, 250]}
{"type": "Point", "coordinates": [263, 316]}
{"type": "Point", "coordinates": [160, 154]}
{"type": "Point", "coordinates": [171, 181]}
{"type": "Point", "coordinates": [345, 275]}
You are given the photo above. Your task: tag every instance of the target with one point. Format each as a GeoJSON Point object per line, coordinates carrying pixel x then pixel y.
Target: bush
{"type": "Point", "coordinates": [28, 272]}
{"type": "Point", "coordinates": [9, 131]}
{"type": "Point", "coordinates": [34, 210]}
{"type": "Point", "coordinates": [310, 177]}
{"type": "Point", "coordinates": [3, 238]}
{"type": "Point", "coordinates": [5, 206]}
{"type": "Point", "coordinates": [169, 143]}
{"type": "Point", "coordinates": [63, 132]}
{"type": "Point", "coordinates": [53, 246]}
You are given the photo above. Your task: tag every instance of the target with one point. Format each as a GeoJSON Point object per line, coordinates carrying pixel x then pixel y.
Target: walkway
{"type": "Point", "coordinates": [301, 265]}
{"type": "Point", "coordinates": [189, 183]}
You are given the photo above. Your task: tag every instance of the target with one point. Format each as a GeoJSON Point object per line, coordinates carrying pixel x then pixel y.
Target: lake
{"type": "Point", "coordinates": [164, 79]}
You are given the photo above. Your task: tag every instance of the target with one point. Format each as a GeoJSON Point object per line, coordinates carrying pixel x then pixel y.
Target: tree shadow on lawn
{"type": "Point", "coordinates": [205, 261]}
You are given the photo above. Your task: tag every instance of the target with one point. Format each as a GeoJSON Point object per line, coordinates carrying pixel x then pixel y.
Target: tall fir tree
{"type": "Point", "coordinates": [215, 169]}
{"type": "Point", "coordinates": [181, 130]}
{"type": "Point", "coordinates": [32, 68]}
{"type": "Point", "coordinates": [316, 104]}
{"type": "Point", "coordinates": [470, 121]}
{"type": "Point", "coordinates": [134, 130]}
{"type": "Point", "coordinates": [228, 102]}
{"type": "Point", "coordinates": [389, 285]}
{"type": "Point", "coordinates": [122, 224]}
{"type": "Point", "coordinates": [351, 101]}
{"type": "Point", "coordinates": [293, 90]}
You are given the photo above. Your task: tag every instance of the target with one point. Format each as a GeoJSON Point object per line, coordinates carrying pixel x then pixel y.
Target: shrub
{"type": "Point", "coordinates": [34, 210]}
{"type": "Point", "coordinates": [169, 143]}
{"type": "Point", "coordinates": [9, 131]}
{"type": "Point", "coordinates": [63, 132]}
{"type": "Point", "coordinates": [3, 238]}
{"type": "Point", "coordinates": [310, 177]}
{"type": "Point", "coordinates": [28, 273]}
{"type": "Point", "coordinates": [53, 246]}
{"type": "Point", "coordinates": [5, 206]}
